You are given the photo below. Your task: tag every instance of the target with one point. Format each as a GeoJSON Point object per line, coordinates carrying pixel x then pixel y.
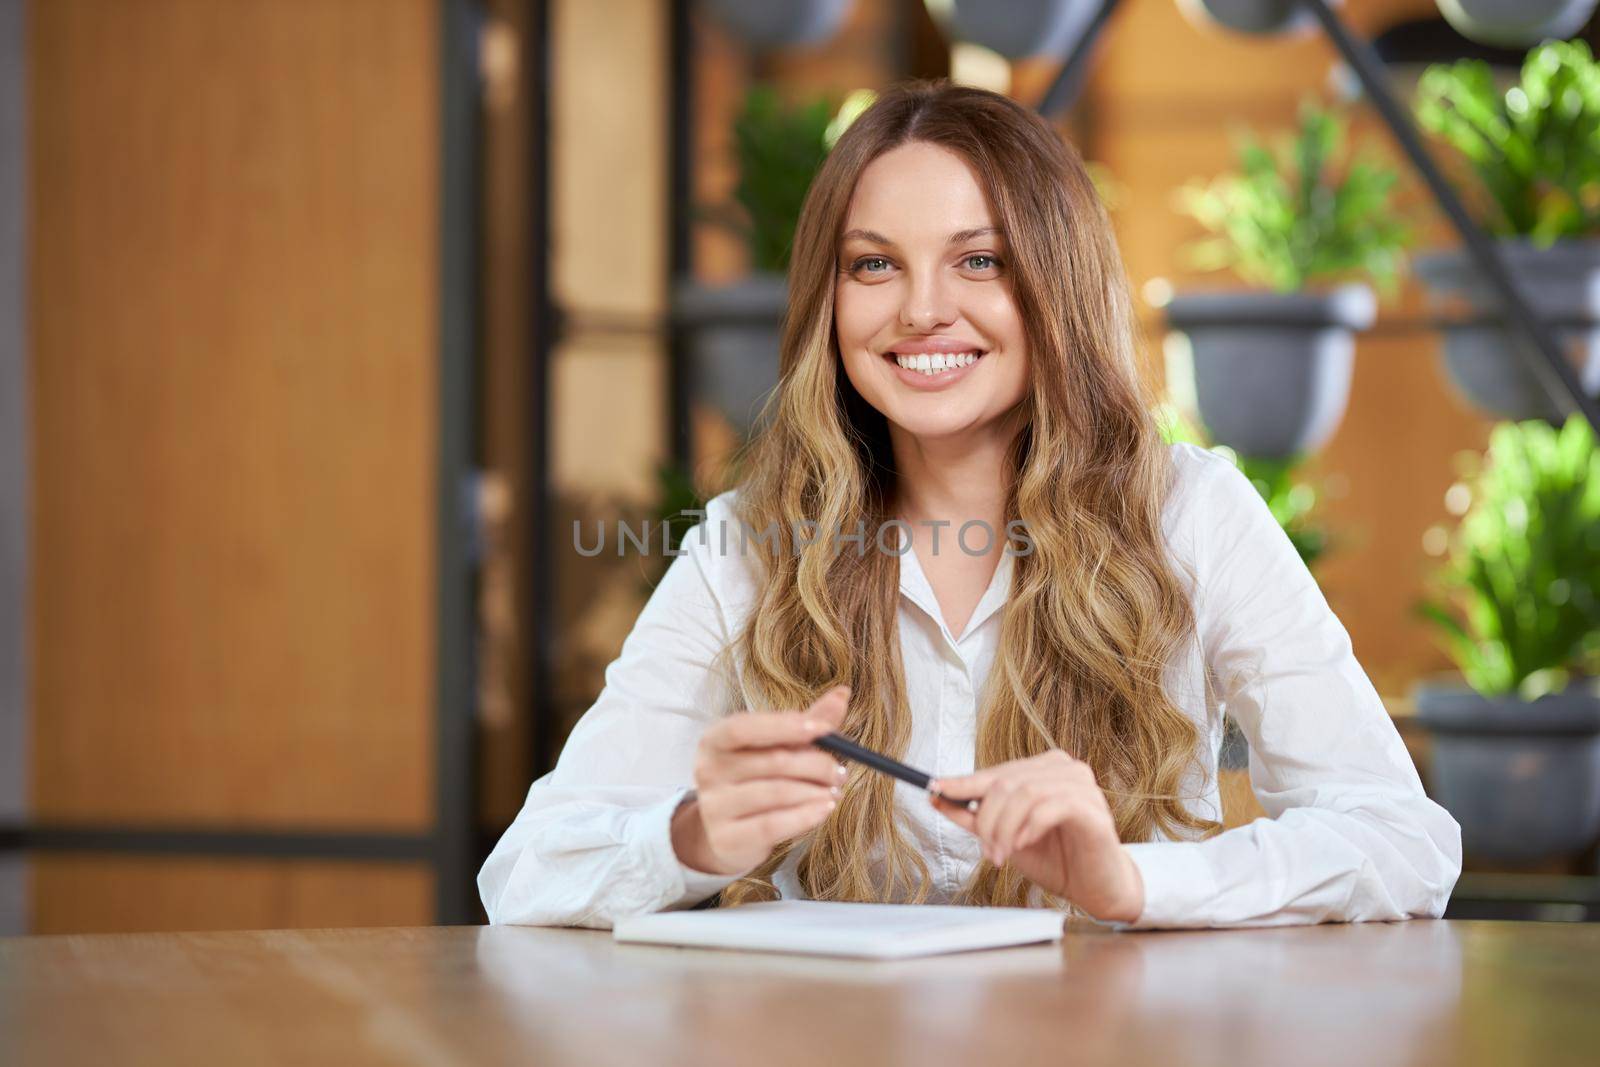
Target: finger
{"type": "Point", "coordinates": [1027, 798]}
{"type": "Point", "coordinates": [967, 786]}
{"type": "Point", "coordinates": [744, 799]}
{"type": "Point", "coordinates": [995, 802]}
{"type": "Point", "coordinates": [804, 764]}
{"type": "Point", "coordinates": [831, 707]}
{"type": "Point", "coordinates": [1006, 804]}
{"type": "Point", "coordinates": [954, 811]}
{"type": "Point", "coordinates": [1041, 820]}
{"type": "Point", "coordinates": [762, 729]}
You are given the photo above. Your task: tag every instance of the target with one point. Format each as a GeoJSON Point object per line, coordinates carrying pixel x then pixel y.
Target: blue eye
{"type": "Point", "coordinates": [979, 255]}
{"type": "Point", "coordinates": [856, 266]}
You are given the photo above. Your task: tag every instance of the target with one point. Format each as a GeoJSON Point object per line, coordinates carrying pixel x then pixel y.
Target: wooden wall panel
{"type": "Point", "coordinates": [75, 893]}
{"type": "Point", "coordinates": [608, 370]}
{"type": "Point", "coordinates": [608, 157]}
{"type": "Point", "coordinates": [233, 267]}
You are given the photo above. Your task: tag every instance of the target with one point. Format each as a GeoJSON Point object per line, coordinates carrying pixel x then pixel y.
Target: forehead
{"type": "Point", "coordinates": [918, 190]}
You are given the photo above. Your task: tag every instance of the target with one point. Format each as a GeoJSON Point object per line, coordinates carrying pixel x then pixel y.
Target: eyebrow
{"type": "Point", "coordinates": [958, 237]}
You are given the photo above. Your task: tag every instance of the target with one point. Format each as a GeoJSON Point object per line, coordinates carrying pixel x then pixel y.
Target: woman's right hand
{"type": "Point", "coordinates": [758, 781]}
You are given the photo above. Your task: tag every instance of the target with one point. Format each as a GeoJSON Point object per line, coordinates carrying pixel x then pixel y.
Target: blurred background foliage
{"type": "Point", "coordinates": [1516, 604]}
{"type": "Point", "coordinates": [1297, 212]}
{"type": "Point", "coordinates": [1290, 496]}
{"type": "Point", "coordinates": [1534, 148]}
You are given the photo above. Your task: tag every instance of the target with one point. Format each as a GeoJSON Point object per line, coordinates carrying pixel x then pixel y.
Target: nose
{"type": "Point", "coordinates": [928, 304]}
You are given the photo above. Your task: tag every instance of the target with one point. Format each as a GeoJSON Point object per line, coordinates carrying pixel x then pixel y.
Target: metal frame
{"type": "Point", "coordinates": [452, 846]}
{"type": "Point", "coordinates": [455, 749]}
{"type": "Point", "coordinates": [1551, 365]}
{"type": "Point", "coordinates": [544, 327]}
{"type": "Point", "coordinates": [200, 841]}
{"type": "Point", "coordinates": [680, 240]}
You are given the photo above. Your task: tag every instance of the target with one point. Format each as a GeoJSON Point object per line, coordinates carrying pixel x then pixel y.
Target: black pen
{"type": "Point", "coordinates": [840, 745]}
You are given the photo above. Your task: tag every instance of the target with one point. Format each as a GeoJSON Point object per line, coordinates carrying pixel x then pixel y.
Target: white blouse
{"type": "Point", "coordinates": [1351, 835]}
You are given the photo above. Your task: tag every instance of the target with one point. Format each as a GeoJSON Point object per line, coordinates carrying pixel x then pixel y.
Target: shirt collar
{"type": "Point", "coordinates": [914, 585]}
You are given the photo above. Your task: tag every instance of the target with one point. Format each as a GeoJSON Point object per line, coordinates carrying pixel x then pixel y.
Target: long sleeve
{"type": "Point", "coordinates": [592, 842]}
{"type": "Point", "coordinates": [1351, 834]}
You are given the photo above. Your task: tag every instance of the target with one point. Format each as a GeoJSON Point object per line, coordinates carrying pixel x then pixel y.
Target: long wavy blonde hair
{"type": "Point", "coordinates": [1095, 612]}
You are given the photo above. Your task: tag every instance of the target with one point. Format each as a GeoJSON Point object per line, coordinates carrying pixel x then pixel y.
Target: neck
{"type": "Point", "coordinates": [955, 479]}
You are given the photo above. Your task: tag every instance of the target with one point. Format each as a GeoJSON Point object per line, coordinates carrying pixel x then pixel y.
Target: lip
{"type": "Point", "coordinates": [931, 345]}
{"type": "Point", "coordinates": [934, 382]}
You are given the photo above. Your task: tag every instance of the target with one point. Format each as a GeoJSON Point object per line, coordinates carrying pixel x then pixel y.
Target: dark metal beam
{"type": "Point", "coordinates": [680, 235]}
{"type": "Point", "coordinates": [455, 757]}
{"type": "Point", "coordinates": [536, 499]}
{"type": "Point", "coordinates": [1063, 92]}
{"type": "Point", "coordinates": [1555, 373]}
{"type": "Point", "coordinates": [207, 841]}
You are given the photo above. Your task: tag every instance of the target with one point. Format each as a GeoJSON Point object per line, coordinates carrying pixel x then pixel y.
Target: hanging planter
{"type": "Point", "coordinates": [1516, 23]}
{"type": "Point", "coordinates": [733, 334]}
{"type": "Point", "coordinates": [1271, 366]}
{"type": "Point", "coordinates": [1516, 604]}
{"type": "Point", "coordinates": [780, 23]}
{"type": "Point", "coordinates": [1018, 29]}
{"type": "Point", "coordinates": [1492, 366]}
{"type": "Point", "coordinates": [1522, 777]}
{"type": "Point", "coordinates": [1271, 17]}
{"type": "Point", "coordinates": [1271, 371]}
{"type": "Point", "coordinates": [1535, 149]}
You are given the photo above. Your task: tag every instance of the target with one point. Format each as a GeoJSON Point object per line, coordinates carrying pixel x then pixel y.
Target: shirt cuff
{"type": "Point", "coordinates": [683, 885]}
{"type": "Point", "coordinates": [1178, 885]}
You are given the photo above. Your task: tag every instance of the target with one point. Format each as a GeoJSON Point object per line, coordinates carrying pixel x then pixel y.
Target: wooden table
{"type": "Point", "coordinates": [1418, 992]}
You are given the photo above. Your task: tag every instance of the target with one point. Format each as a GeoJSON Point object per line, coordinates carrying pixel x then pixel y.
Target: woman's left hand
{"type": "Point", "coordinates": [1047, 817]}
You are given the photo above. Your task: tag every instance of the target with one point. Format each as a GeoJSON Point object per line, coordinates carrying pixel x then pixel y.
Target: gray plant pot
{"type": "Point", "coordinates": [1272, 370]}
{"type": "Point", "coordinates": [1516, 23]}
{"type": "Point", "coordinates": [1252, 16]}
{"type": "Point", "coordinates": [734, 334]}
{"type": "Point", "coordinates": [1521, 777]}
{"type": "Point", "coordinates": [1020, 29]}
{"type": "Point", "coordinates": [1490, 366]}
{"type": "Point", "coordinates": [780, 23]}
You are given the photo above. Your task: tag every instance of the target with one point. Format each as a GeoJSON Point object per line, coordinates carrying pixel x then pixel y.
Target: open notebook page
{"type": "Point", "coordinates": [829, 928]}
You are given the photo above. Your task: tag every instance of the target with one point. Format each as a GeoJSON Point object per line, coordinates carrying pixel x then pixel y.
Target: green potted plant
{"type": "Point", "coordinates": [1290, 497]}
{"type": "Point", "coordinates": [1271, 365]}
{"type": "Point", "coordinates": [733, 330]}
{"type": "Point", "coordinates": [1516, 604]}
{"type": "Point", "coordinates": [1534, 149]}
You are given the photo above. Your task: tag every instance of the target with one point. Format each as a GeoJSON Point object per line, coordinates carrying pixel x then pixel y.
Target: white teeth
{"type": "Point", "coordinates": [936, 363]}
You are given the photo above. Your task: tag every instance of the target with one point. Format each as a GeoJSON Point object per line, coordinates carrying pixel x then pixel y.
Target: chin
{"type": "Point", "coordinates": [932, 425]}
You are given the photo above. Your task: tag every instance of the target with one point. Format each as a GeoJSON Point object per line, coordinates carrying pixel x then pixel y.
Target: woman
{"type": "Point", "coordinates": [1081, 656]}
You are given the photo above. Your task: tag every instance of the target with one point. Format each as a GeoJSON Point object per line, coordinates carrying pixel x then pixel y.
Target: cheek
{"type": "Point", "coordinates": [851, 335]}
{"type": "Point", "coordinates": [856, 316]}
{"type": "Point", "coordinates": [1005, 321]}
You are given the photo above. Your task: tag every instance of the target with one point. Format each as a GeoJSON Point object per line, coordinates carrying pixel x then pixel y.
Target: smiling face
{"type": "Point", "coordinates": [924, 287]}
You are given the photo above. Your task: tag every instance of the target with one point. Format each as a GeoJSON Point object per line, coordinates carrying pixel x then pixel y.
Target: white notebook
{"type": "Point", "coordinates": [830, 928]}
